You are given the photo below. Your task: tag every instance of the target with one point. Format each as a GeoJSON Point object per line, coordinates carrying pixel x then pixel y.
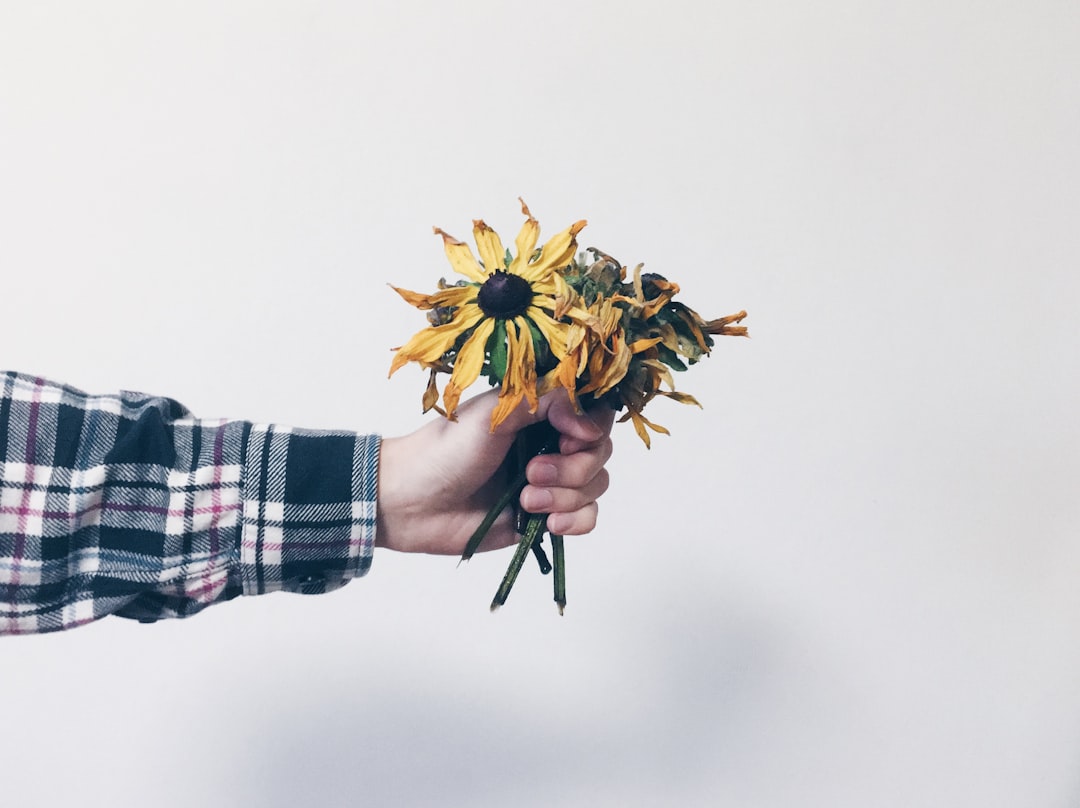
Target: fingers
{"type": "Point", "coordinates": [567, 486]}
{"type": "Point", "coordinates": [537, 499]}
{"type": "Point", "coordinates": [569, 470]}
{"type": "Point", "coordinates": [578, 429]}
{"type": "Point", "coordinates": [573, 524]}
{"type": "Point", "coordinates": [555, 407]}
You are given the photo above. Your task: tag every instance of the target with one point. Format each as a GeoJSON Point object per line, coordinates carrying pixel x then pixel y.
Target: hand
{"type": "Point", "coordinates": [437, 484]}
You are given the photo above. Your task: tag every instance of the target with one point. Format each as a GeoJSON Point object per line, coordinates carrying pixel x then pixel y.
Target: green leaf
{"type": "Point", "coordinates": [497, 351]}
{"type": "Point", "coordinates": [680, 318]}
{"type": "Point", "coordinates": [508, 259]}
{"type": "Point", "coordinates": [669, 357]}
{"type": "Point", "coordinates": [589, 291]}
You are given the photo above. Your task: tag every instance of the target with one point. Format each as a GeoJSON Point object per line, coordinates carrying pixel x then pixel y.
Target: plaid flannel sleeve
{"type": "Point", "coordinates": [125, 504]}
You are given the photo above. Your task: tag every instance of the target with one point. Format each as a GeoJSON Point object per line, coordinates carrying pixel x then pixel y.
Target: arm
{"type": "Point", "coordinates": [127, 505]}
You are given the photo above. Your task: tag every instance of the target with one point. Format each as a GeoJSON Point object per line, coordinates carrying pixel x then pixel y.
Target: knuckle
{"type": "Point", "coordinates": [603, 481]}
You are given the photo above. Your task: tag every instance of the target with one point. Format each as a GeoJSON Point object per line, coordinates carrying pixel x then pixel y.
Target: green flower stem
{"type": "Point", "coordinates": [558, 554]}
{"type": "Point", "coordinates": [537, 439]}
{"type": "Point", "coordinates": [534, 529]}
{"type": "Point", "coordinates": [541, 556]}
{"type": "Point", "coordinates": [512, 492]}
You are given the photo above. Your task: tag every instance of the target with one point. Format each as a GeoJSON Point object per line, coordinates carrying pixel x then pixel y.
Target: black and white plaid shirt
{"type": "Point", "coordinates": [126, 504]}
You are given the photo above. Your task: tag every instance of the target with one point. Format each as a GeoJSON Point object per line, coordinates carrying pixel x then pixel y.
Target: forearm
{"type": "Point", "coordinates": [127, 505]}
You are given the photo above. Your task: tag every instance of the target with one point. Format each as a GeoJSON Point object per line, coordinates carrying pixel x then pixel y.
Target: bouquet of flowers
{"type": "Point", "coordinates": [536, 319]}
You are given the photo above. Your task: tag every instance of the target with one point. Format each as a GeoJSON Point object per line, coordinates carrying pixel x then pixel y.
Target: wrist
{"type": "Point", "coordinates": [393, 504]}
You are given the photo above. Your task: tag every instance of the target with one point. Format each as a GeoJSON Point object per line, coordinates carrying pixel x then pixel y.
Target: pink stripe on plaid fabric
{"type": "Point", "coordinates": [215, 509]}
{"type": "Point", "coordinates": [210, 586]}
{"type": "Point", "coordinates": [265, 544]}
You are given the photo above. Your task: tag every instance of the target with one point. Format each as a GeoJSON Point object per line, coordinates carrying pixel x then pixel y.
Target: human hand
{"type": "Point", "coordinates": [437, 483]}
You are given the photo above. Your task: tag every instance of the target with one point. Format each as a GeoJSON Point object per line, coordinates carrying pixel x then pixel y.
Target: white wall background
{"type": "Point", "coordinates": [853, 580]}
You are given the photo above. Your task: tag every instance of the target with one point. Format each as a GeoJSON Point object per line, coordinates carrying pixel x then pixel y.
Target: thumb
{"type": "Point", "coordinates": [555, 407]}
{"type": "Point", "coordinates": [475, 415]}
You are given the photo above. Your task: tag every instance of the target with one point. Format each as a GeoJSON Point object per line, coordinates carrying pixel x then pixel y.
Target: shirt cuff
{"type": "Point", "coordinates": [309, 509]}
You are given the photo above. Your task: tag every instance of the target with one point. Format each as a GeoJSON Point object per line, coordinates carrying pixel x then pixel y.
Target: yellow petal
{"type": "Point", "coordinates": [640, 422]}
{"type": "Point", "coordinates": [578, 315]}
{"type": "Point", "coordinates": [720, 322]}
{"type": "Point", "coordinates": [431, 394]}
{"type": "Point", "coordinates": [506, 404]}
{"type": "Point", "coordinates": [413, 298]}
{"type": "Point", "coordinates": [654, 305]}
{"type": "Point", "coordinates": [431, 343]}
{"type": "Point", "coordinates": [610, 317]}
{"type": "Point", "coordinates": [553, 293]}
{"type": "Point", "coordinates": [568, 371]}
{"type": "Point", "coordinates": [682, 398]}
{"type": "Point", "coordinates": [639, 292]}
{"type": "Point", "coordinates": [545, 302]}
{"type": "Point", "coordinates": [526, 363]}
{"type": "Point", "coordinates": [562, 375]}
{"type": "Point", "coordinates": [720, 326]}
{"type": "Point", "coordinates": [461, 258]}
{"type": "Point", "coordinates": [654, 427]}
{"type": "Point", "coordinates": [639, 427]}
{"type": "Point", "coordinates": [554, 333]}
{"type": "Point", "coordinates": [520, 379]}
{"type": "Point", "coordinates": [660, 372]}
{"type": "Point", "coordinates": [467, 366]}
{"type": "Point", "coordinates": [555, 254]}
{"type": "Point", "coordinates": [583, 361]}
{"type": "Point", "coordinates": [546, 286]}
{"type": "Point", "coordinates": [640, 345]}
{"type": "Point", "coordinates": [575, 335]}
{"type": "Point", "coordinates": [548, 382]}
{"type": "Point", "coordinates": [455, 296]}
{"type": "Point", "coordinates": [526, 238]}
{"type": "Point", "coordinates": [615, 369]}
{"type": "Point", "coordinates": [450, 298]}
{"type": "Point", "coordinates": [490, 246]}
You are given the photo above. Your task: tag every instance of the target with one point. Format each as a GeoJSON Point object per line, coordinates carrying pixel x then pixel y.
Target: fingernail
{"type": "Point", "coordinates": [596, 429]}
{"type": "Point", "coordinates": [539, 500]}
{"type": "Point", "coordinates": [543, 474]}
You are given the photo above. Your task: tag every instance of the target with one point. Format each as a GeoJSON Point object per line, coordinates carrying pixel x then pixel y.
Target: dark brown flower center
{"type": "Point", "coordinates": [504, 296]}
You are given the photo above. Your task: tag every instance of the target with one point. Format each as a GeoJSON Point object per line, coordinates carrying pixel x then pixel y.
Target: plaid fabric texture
{"type": "Point", "coordinates": [125, 504]}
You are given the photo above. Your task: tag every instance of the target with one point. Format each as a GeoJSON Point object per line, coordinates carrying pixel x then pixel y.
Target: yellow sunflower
{"type": "Point", "coordinates": [495, 314]}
